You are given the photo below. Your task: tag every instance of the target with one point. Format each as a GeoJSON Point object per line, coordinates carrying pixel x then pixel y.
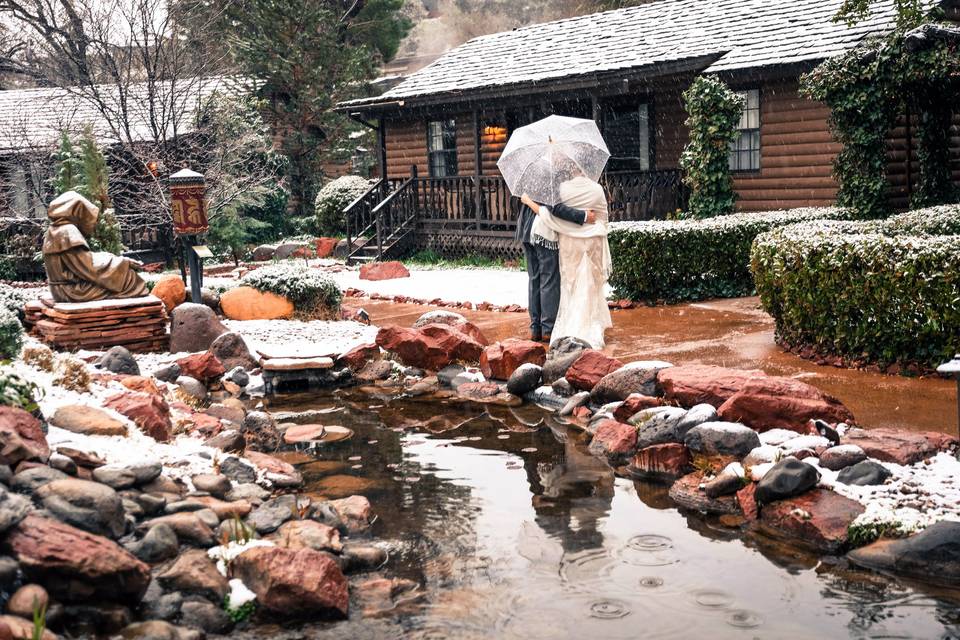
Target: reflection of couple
{"type": "Point", "coordinates": [568, 261]}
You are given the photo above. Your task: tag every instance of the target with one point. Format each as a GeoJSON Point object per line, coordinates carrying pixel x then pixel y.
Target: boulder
{"type": "Point", "coordinates": [818, 519]}
{"type": "Point", "coordinates": [614, 441]}
{"type": "Point", "coordinates": [587, 370]}
{"type": "Point", "coordinates": [191, 527]}
{"type": "Point", "coordinates": [215, 484]}
{"type": "Point", "coordinates": [286, 249]}
{"type": "Point", "coordinates": [725, 483]}
{"type": "Point", "coordinates": [697, 415]}
{"type": "Point", "coordinates": [562, 354]}
{"type": "Point", "coordinates": [503, 358]}
{"type": "Point", "coordinates": [454, 320]}
{"type": "Point", "coordinates": [260, 431]}
{"type": "Point", "coordinates": [658, 426]}
{"type": "Point", "coordinates": [383, 271]}
{"type": "Point", "coordinates": [722, 438]}
{"type": "Point", "coordinates": [693, 384]}
{"type": "Point", "coordinates": [192, 387]}
{"type": "Point", "coordinates": [232, 351]}
{"type": "Point", "coordinates": [90, 506]}
{"type": "Point", "coordinates": [194, 572]}
{"type": "Point", "coordinates": [171, 290]}
{"type": "Point", "coordinates": [268, 517]}
{"type": "Point", "coordinates": [167, 373]}
{"type": "Point", "coordinates": [773, 402]}
{"type": "Point", "coordinates": [263, 252]}
{"type": "Point", "coordinates": [353, 512]}
{"type": "Point", "coordinates": [633, 378]}
{"type": "Point", "coordinates": [142, 384]}
{"type": "Point", "coordinates": [150, 413]}
{"type": "Point", "coordinates": [524, 379]}
{"type": "Point", "coordinates": [158, 544]}
{"type": "Point", "coordinates": [309, 534]}
{"type": "Point", "coordinates": [193, 328]}
{"type": "Point", "coordinates": [198, 613]}
{"type": "Point", "coordinates": [433, 347]}
{"type": "Point", "coordinates": [74, 565]}
{"type": "Point", "coordinates": [26, 600]}
{"type": "Point", "coordinates": [375, 370]}
{"type": "Point", "coordinates": [894, 445]}
{"type": "Point", "coordinates": [359, 356]}
{"type": "Point", "coordinates": [665, 462]}
{"type": "Point", "coordinates": [933, 555]}
{"type": "Point", "coordinates": [688, 493]}
{"type": "Point", "coordinates": [247, 303]}
{"type": "Point", "coordinates": [325, 246]}
{"type": "Point", "coordinates": [30, 479]}
{"type": "Point", "coordinates": [210, 298]}
{"type": "Point", "coordinates": [86, 420]}
{"type": "Point", "coordinates": [864, 474]}
{"type": "Point", "coordinates": [293, 582]}
{"type": "Point", "coordinates": [119, 360]}
{"type": "Point", "coordinates": [841, 456]}
{"type": "Point", "coordinates": [787, 478]}
{"type": "Point", "coordinates": [634, 404]}
{"type": "Point", "coordinates": [202, 366]}
{"type": "Point", "coordinates": [21, 437]}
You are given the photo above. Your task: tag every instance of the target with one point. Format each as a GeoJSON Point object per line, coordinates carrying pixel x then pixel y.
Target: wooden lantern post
{"type": "Point", "coordinates": [189, 209]}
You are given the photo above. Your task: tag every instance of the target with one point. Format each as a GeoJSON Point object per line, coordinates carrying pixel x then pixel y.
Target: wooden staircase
{"type": "Point", "coordinates": [381, 223]}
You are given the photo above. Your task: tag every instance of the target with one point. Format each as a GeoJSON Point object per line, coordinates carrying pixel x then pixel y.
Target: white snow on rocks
{"type": "Point", "coordinates": [333, 337]}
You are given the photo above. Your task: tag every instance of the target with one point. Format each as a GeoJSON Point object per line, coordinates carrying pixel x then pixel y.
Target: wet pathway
{"type": "Point", "coordinates": [732, 333]}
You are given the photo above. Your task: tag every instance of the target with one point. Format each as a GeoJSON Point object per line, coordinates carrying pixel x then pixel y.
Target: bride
{"type": "Point", "coordinates": [585, 263]}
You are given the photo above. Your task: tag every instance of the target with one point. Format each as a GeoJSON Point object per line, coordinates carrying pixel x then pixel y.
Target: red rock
{"type": "Point", "coordinates": [150, 413]}
{"type": "Point", "coordinates": [614, 440]}
{"type": "Point", "coordinates": [662, 461]}
{"type": "Point", "coordinates": [747, 503]}
{"type": "Point", "coordinates": [431, 347]}
{"type": "Point", "coordinates": [479, 390]}
{"type": "Point", "coordinates": [454, 320]}
{"type": "Point", "coordinates": [766, 403]}
{"type": "Point", "coordinates": [271, 464]}
{"type": "Point", "coordinates": [154, 267]}
{"type": "Point", "coordinates": [142, 384]}
{"type": "Point", "coordinates": [687, 493]}
{"type": "Point", "coordinates": [818, 519]}
{"type": "Point", "coordinates": [354, 511]}
{"type": "Point", "coordinates": [202, 366]}
{"type": "Point", "coordinates": [205, 425]}
{"type": "Point", "coordinates": [897, 446]}
{"type": "Point", "coordinates": [693, 384]}
{"type": "Point", "coordinates": [21, 437]}
{"type": "Point", "coordinates": [589, 368]}
{"type": "Point", "coordinates": [76, 566]}
{"type": "Point", "coordinates": [634, 404]}
{"type": "Point", "coordinates": [360, 355]}
{"type": "Point", "coordinates": [502, 359]}
{"type": "Point", "coordinates": [293, 581]}
{"type": "Point", "coordinates": [171, 290]}
{"type": "Point", "coordinates": [582, 413]}
{"type": "Point", "coordinates": [383, 271]}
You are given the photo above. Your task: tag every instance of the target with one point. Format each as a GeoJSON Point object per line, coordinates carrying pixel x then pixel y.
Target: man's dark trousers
{"type": "Point", "coordinates": [543, 269]}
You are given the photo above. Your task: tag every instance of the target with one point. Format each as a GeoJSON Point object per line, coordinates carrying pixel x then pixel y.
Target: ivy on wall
{"type": "Point", "coordinates": [714, 111]}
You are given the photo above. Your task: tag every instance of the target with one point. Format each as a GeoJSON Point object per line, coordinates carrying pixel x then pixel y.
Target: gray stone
{"type": "Point", "coordinates": [635, 377]}
{"type": "Point", "coordinates": [13, 509]}
{"type": "Point", "coordinates": [195, 573]}
{"type": "Point", "coordinates": [192, 387]}
{"type": "Point", "coordinates": [238, 470]}
{"type": "Point", "coordinates": [210, 298]}
{"type": "Point", "coordinates": [238, 376]}
{"type": "Point", "coordinates": [271, 514]}
{"type": "Point", "coordinates": [561, 356]}
{"type": "Point", "coordinates": [157, 605]}
{"type": "Point", "coordinates": [202, 614]}
{"type": "Point", "coordinates": [151, 503]}
{"type": "Point", "coordinates": [233, 529]}
{"type": "Point", "coordinates": [933, 555]}
{"type": "Point", "coordinates": [119, 360]}
{"type": "Point", "coordinates": [9, 568]}
{"type": "Point", "coordinates": [697, 415]}
{"type": "Point", "coordinates": [264, 252]}
{"type": "Point", "coordinates": [547, 398]}
{"type": "Point", "coordinates": [158, 544]}
{"type": "Point", "coordinates": [842, 456]}
{"type": "Point", "coordinates": [6, 474]}
{"type": "Point", "coordinates": [227, 440]}
{"type": "Point", "coordinates": [446, 375]}
{"type": "Point", "coordinates": [217, 485]}
{"type": "Point", "coordinates": [168, 372]}
{"type": "Point", "coordinates": [90, 506]}
{"type": "Point", "coordinates": [247, 491]}
{"type": "Point", "coordinates": [576, 400]}
{"type": "Point", "coordinates": [29, 480]}
{"type": "Point", "coordinates": [193, 328]}
{"type": "Point", "coordinates": [232, 352]}
{"type": "Point", "coordinates": [123, 477]}
{"type": "Point", "coordinates": [726, 483]}
{"type": "Point", "coordinates": [61, 462]}
{"type": "Point", "coordinates": [363, 557]}
{"type": "Point", "coordinates": [562, 387]}
{"type": "Point", "coordinates": [524, 379]}
{"type": "Point", "coordinates": [658, 426]}
{"type": "Point", "coordinates": [259, 429]}
{"type": "Point", "coordinates": [159, 630]}
{"type": "Point", "coordinates": [787, 478]}
{"type": "Point", "coordinates": [722, 438]}
{"type": "Point", "coordinates": [285, 249]}
{"type": "Point", "coordinates": [864, 473]}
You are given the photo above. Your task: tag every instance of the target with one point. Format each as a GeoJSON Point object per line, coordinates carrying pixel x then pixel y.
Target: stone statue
{"type": "Point", "coordinates": [75, 273]}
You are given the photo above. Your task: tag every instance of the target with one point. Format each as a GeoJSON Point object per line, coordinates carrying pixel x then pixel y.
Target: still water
{"type": "Point", "coordinates": [513, 530]}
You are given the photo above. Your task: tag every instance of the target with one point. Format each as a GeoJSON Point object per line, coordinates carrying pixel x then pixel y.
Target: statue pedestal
{"type": "Point", "coordinates": [139, 324]}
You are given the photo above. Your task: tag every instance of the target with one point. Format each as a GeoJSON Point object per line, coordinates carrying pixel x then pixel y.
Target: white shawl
{"type": "Point", "coordinates": [579, 193]}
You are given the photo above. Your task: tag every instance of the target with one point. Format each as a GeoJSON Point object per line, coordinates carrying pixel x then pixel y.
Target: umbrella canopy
{"type": "Point", "coordinates": [541, 156]}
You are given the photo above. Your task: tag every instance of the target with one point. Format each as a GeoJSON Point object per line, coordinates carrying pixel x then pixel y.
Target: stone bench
{"type": "Point", "coordinates": [139, 324]}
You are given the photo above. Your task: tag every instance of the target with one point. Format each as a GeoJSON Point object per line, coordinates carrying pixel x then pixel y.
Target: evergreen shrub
{"type": "Point", "coordinates": [333, 198]}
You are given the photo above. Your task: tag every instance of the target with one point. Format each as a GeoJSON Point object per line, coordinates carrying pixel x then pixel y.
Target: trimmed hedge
{"type": "Point", "coordinates": [674, 261]}
{"type": "Point", "coordinates": [881, 292]}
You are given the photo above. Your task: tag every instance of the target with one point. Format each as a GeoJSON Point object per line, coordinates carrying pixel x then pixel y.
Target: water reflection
{"type": "Point", "coordinates": [514, 530]}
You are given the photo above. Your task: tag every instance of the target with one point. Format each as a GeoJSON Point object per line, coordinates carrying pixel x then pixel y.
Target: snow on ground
{"type": "Point", "coordinates": [499, 287]}
{"type": "Point", "coordinates": [319, 337]}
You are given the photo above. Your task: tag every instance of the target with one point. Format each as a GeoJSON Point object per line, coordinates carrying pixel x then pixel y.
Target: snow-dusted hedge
{"type": "Point", "coordinates": [12, 299]}
{"type": "Point", "coordinates": [883, 292]}
{"type": "Point", "coordinates": [11, 334]}
{"type": "Point", "coordinates": [694, 259]}
{"type": "Point", "coordinates": [17, 392]}
{"type": "Point", "coordinates": [333, 198]}
{"type": "Point", "coordinates": [311, 292]}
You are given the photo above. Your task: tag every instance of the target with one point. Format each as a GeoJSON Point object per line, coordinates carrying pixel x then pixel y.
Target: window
{"type": "Point", "coordinates": [745, 150]}
{"type": "Point", "coordinates": [626, 130]}
{"type": "Point", "coordinates": [442, 148]}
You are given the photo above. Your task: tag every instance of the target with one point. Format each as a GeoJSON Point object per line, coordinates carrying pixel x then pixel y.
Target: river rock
{"type": "Point", "coordinates": [633, 378]}
{"type": "Point", "coordinates": [864, 473]}
{"type": "Point", "coordinates": [841, 456]}
{"type": "Point", "coordinates": [248, 491]}
{"type": "Point", "coordinates": [697, 415]}
{"type": "Point", "coordinates": [260, 432]}
{"type": "Point", "coordinates": [271, 514]}
{"type": "Point", "coordinates": [787, 478]}
{"type": "Point", "coordinates": [614, 441]}
{"type": "Point", "coordinates": [693, 384]}
{"type": "Point", "coordinates": [293, 582]}
{"type": "Point", "coordinates": [230, 440]}
{"type": "Point", "coordinates": [432, 347]}
{"type": "Point", "coordinates": [87, 420]}
{"type": "Point", "coordinates": [198, 613]}
{"type": "Point", "coordinates": [194, 572]}
{"type": "Point", "coordinates": [167, 373]}
{"type": "Point", "coordinates": [13, 509]}
{"type": "Point", "coordinates": [764, 454]}
{"type": "Point", "coordinates": [123, 476]}
{"type": "Point", "coordinates": [151, 413]}
{"type": "Point", "coordinates": [158, 544]}
{"type": "Point", "coordinates": [503, 358]}
{"type": "Point", "coordinates": [201, 366]}
{"type": "Point", "coordinates": [770, 402]}
{"type": "Point", "coordinates": [29, 480]}
{"type": "Point", "coordinates": [20, 628]}
{"type": "Point", "coordinates": [663, 462]}
{"type": "Point", "coordinates": [280, 473]}
{"type": "Point", "coordinates": [634, 404]}
{"type": "Point", "coordinates": [90, 506]}
{"type": "Point", "coordinates": [213, 483]}
{"type": "Point", "coordinates": [21, 437]}
{"type": "Point", "coordinates": [309, 534]}
{"type": "Point", "coordinates": [363, 557]}
{"type": "Point", "coordinates": [61, 462]}
{"type": "Point", "coordinates": [658, 426]}
{"type": "Point", "coordinates": [452, 319]}
{"type": "Point", "coordinates": [358, 356]}
{"type": "Point", "coordinates": [171, 290]}
{"type": "Point", "coordinates": [575, 401]}
{"type": "Point", "coordinates": [725, 483]}
{"type": "Point", "coordinates": [232, 351]}
{"type": "Point", "coordinates": [74, 565]}
{"type": "Point", "coordinates": [587, 370]}
{"type": "Point", "coordinates": [933, 555]}
{"type": "Point", "coordinates": [817, 519]}
{"type": "Point", "coordinates": [238, 470]}
{"type": "Point", "coordinates": [353, 512]}
{"type": "Point", "coordinates": [192, 527]}
{"type": "Point", "coordinates": [562, 354]}
{"type": "Point", "coordinates": [158, 630]}
{"type": "Point", "coordinates": [524, 379]}
{"type": "Point", "coordinates": [894, 445]}
{"type": "Point", "coordinates": [722, 438]}
{"type": "Point", "coordinates": [27, 599]}
{"type": "Point", "coordinates": [119, 360]}
{"type": "Point", "coordinates": [193, 328]}
{"type": "Point", "coordinates": [229, 410]}
{"type": "Point", "coordinates": [389, 270]}
{"type": "Point", "coordinates": [688, 493]}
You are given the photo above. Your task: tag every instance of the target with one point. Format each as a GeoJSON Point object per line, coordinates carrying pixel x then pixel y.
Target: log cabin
{"type": "Point", "coordinates": [443, 128]}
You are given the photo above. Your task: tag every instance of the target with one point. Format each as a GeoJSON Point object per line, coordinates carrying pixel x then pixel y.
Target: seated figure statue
{"type": "Point", "coordinates": [76, 274]}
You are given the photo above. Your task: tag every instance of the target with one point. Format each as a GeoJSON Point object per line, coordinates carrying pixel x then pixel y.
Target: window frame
{"type": "Point", "coordinates": [635, 162]}
{"type": "Point", "coordinates": [447, 154]}
{"type": "Point", "coordinates": [735, 151]}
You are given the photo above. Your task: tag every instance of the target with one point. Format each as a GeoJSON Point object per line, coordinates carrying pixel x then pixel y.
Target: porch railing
{"type": "Point", "coordinates": [359, 216]}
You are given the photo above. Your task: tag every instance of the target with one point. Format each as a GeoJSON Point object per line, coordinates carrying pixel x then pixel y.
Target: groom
{"type": "Point", "coordinates": [543, 269]}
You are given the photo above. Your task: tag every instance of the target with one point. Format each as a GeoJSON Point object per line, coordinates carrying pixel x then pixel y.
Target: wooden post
{"type": "Point", "coordinates": [477, 167]}
{"type": "Point", "coordinates": [382, 141]}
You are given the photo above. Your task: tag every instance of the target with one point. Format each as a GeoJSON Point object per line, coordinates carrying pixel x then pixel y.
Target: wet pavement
{"type": "Point", "coordinates": [732, 333]}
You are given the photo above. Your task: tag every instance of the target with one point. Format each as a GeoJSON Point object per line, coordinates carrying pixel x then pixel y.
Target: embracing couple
{"type": "Point", "coordinates": [568, 262]}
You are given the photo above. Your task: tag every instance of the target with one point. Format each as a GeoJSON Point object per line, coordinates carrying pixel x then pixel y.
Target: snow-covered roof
{"type": "Point", "coordinates": [34, 118]}
{"type": "Point", "coordinates": [726, 35]}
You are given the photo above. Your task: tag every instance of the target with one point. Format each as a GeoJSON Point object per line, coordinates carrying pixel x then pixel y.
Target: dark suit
{"type": "Point", "coordinates": [543, 268]}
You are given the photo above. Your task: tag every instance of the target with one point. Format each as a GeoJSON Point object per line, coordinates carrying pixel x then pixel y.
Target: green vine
{"type": "Point", "coordinates": [714, 111]}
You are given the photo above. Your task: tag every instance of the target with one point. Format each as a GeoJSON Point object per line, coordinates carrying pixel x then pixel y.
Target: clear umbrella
{"type": "Point", "coordinates": [541, 156]}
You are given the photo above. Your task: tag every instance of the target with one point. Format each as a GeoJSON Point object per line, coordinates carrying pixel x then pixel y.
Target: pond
{"type": "Point", "coordinates": [513, 530]}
